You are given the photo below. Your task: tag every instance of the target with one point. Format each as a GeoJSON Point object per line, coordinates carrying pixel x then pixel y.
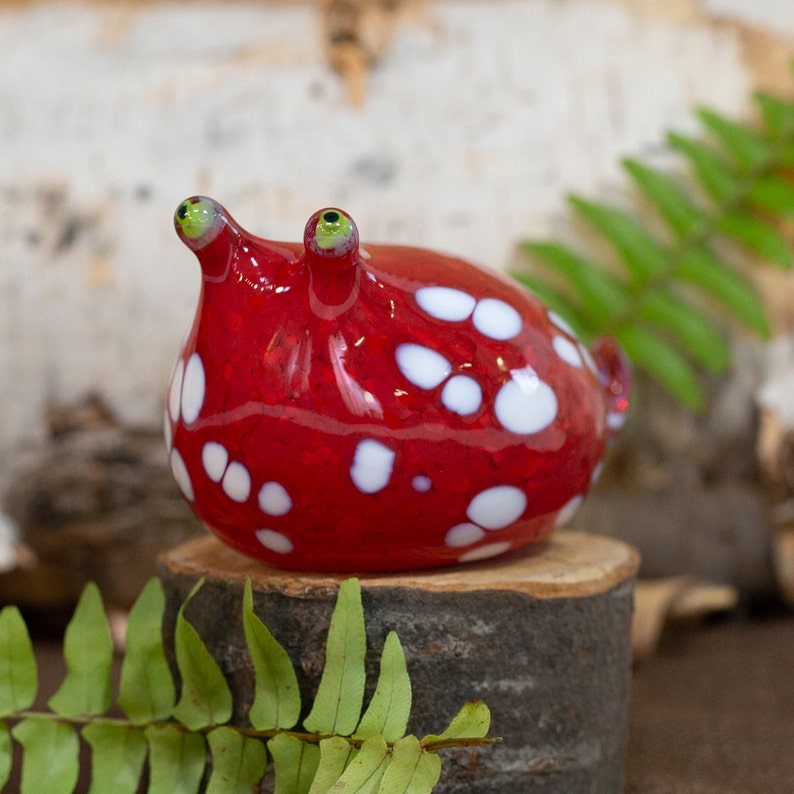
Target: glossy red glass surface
{"type": "Point", "coordinates": [360, 408]}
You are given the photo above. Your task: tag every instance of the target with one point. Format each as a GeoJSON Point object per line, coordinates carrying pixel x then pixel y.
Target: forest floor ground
{"type": "Point", "coordinates": [713, 711]}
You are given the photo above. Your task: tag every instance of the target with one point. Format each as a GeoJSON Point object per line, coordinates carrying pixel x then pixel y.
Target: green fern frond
{"type": "Point", "coordinates": [650, 297]}
{"type": "Point", "coordinates": [192, 738]}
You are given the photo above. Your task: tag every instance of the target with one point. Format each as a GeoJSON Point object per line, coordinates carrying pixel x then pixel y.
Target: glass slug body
{"type": "Point", "coordinates": [339, 407]}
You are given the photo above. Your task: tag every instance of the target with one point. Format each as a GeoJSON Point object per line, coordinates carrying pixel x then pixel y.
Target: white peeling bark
{"type": "Point", "coordinates": [476, 122]}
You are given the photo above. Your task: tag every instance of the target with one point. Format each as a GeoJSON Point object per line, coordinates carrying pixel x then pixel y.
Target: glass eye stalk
{"type": "Point", "coordinates": [198, 221]}
{"type": "Point", "coordinates": [330, 241]}
{"type": "Point", "coordinates": [331, 233]}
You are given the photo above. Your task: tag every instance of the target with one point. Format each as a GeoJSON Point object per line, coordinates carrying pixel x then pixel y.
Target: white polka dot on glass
{"type": "Point", "coordinates": [167, 430]}
{"type": "Point", "coordinates": [422, 483]}
{"type": "Point", "coordinates": [485, 552]}
{"type": "Point", "coordinates": [462, 395]}
{"type": "Point", "coordinates": [181, 475]}
{"type": "Point", "coordinates": [372, 466]}
{"type": "Point", "coordinates": [562, 324]}
{"type": "Point", "coordinates": [464, 535]}
{"type": "Point", "coordinates": [237, 482]}
{"type": "Point", "coordinates": [175, 391]}
{"type": "Point", "coordinates": [496, 319]}
{"type": "Point", "coordinates": [567, 351]}
{"type": "Point", "coordinates": [274, 499]}
{"type": "Point", "coordinates": [214, 458]}
{"type": "Point", "coordinates": [497, 507]}
{"type": "Point", "coordinates": [525, 404]}
{"type": "Point", "coordinates": [568, 510]}
{"type": "Point", "coordinates": [275, 541]}
{"type": "Point", "coordinates": [422, 366]}
{"type": "Point", "coordinates": [445, 303]}
{"type": "Point", "coordinates": [193, 389]}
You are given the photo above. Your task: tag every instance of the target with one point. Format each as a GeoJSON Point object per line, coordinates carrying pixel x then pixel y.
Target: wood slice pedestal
{"type": "Point", "coordinates": [542, 636]}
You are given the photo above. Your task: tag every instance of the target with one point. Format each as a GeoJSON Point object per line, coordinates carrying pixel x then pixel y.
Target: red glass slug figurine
{"type": "Point", "coordinates": [339, 407]}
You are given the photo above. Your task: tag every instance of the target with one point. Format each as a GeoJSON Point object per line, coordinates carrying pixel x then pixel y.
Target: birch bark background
{"type": "Point", "coordinates": [476, 120]}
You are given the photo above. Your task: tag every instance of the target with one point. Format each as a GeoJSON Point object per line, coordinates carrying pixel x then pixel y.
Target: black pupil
{"type": "Point", "coordinates": [182, 211]}
{"type": "Point", "coordinates": [331, 217]}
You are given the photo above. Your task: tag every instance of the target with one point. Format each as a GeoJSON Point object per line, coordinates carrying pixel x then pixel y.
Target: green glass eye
{"type": "Point", "coordinates": [333, 230]}
{"type": "Point", "coordinates": [195, 217]}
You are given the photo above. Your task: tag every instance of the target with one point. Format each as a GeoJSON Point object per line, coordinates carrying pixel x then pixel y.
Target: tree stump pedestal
{"type": "Point", "coordinates": [542, 636]}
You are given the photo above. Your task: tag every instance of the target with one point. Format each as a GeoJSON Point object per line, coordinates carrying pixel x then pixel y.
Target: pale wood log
{"type": "Point", "coordinates": [658, 602]}
{"type": "Point", "coordinates": [542, 636]}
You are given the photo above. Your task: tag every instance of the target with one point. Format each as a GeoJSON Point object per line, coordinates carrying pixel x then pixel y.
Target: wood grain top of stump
{"type": "Point", "coordinates": [568, 565]}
